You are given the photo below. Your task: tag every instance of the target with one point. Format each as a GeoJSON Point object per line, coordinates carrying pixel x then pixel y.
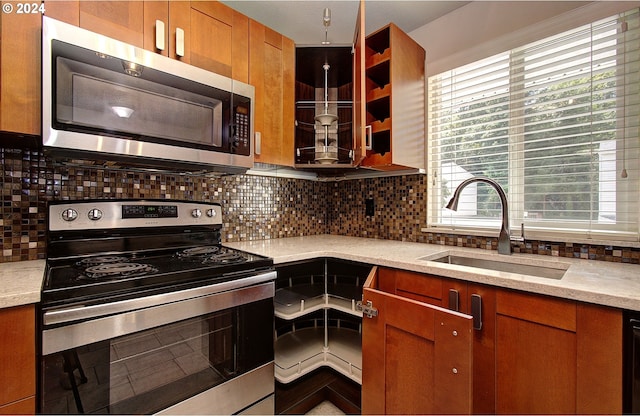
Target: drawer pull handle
{"type": "Point", "coordinates": [476, 311]}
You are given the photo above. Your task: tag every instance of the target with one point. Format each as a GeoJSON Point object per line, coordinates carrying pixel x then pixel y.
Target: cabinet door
{"type": "Point", "coordinates": [536, 354]}
{"type": "Point", "coordinates": [416, 358]}
{"type": "Point", "coordinates": [67, 11]}
{"type": "Point", "coordinates": [359, 88]}
{"type": "Point", "coordinates": [156, 11]}
{"type": "Point", "coordinates": [557, 356]}
{"type": "Point", "coordinates": [479, 301]}
{"type": "Point", "coordinates": [121, 20]}
{"type": "Point", "coordinates": [272, 58]}
{"type": "Point", "coordinates": [20, 66]}
{"type": "Point", "coordinates": [211, 37]}
{"type": "Point", "coordinates": [17, 359]}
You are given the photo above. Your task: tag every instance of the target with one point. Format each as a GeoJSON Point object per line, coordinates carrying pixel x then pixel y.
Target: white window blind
{"type": "Point", "coordinates": [556, 123]}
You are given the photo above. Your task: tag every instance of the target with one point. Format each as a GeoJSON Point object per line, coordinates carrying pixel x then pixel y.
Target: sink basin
{"type": "Point", "coordinates": [549, 270]}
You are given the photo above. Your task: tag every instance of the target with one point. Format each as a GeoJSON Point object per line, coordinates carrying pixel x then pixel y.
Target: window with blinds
{"type": "Point", "coordinates": [555, 122]}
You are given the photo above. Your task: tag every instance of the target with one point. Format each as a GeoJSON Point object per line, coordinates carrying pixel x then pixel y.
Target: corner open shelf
{"type": "Point", "coordinates": [294, 302]}
{"type": "Point", "coordinates": [317, 322]}
{"type": "Point", "coordinates": [302, 351]}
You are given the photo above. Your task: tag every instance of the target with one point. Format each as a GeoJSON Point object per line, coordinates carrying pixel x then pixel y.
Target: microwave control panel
{"type": "Point", "coordinates": [241, 133]}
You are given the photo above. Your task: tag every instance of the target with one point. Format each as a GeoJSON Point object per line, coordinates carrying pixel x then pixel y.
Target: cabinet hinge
{"type": "Point", "coordinates": [368, 310]}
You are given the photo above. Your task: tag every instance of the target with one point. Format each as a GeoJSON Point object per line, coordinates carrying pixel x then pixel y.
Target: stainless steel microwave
{"type": "Point", "coordinates": [107, 100]}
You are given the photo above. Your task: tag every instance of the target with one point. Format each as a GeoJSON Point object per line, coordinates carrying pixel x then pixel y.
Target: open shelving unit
{"type": "Point", "coordinates": [394, 85]}
{"type": "Point", "coordinates": [317, 324]}
{"type": "Point", "coordinates": [329, 144]}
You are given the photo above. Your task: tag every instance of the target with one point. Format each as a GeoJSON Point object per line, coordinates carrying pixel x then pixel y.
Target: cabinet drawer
{"type": "Point", "coordinates": [557, 313]}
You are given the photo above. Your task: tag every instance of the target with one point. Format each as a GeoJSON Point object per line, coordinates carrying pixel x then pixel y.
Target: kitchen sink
{"type": "Point", "coordinates": [547, 270]}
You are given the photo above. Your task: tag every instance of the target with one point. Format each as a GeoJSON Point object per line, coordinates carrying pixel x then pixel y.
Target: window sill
{"type": "Point", "coordinates": [549, 236]}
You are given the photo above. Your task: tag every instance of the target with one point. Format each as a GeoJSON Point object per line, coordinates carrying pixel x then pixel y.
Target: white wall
{"type": "Point", "coordinates": [484, 28]}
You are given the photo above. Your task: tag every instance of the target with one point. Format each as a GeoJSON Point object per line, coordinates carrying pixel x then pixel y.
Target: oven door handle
{"type": "Point", "coordinates": [83, 325]}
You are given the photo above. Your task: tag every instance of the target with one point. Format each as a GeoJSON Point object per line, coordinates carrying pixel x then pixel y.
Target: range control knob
{"type": "Point", "coordinates": [211, 212]}
{"type": "Point", "coordinates": [94, 214]}
{"type": "Point", "coordinates": [69, 214]}
{"type": "Point", "coordinates": [196, 213]}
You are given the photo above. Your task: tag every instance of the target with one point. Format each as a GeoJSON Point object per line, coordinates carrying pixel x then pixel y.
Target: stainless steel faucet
{"type": "Point", "coordinates": [504, 239]}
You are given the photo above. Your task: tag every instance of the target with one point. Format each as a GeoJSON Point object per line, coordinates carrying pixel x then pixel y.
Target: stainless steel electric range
{"type": "Point", "coordinates": [145, 311]}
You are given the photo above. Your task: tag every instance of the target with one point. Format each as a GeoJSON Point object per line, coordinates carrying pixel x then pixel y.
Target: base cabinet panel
{"type": "Point", "coordinates": [536, 368]}
{"type": "Point", "coordinates": [416, 358]}
{"type": "Point", "coordinates": [557, 356]}
{"type": "Point", "coordinates": [532, 353]}
{"type": "Point", "coordinates": [17, 360]}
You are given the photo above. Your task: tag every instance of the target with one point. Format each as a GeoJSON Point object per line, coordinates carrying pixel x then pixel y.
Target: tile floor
{"type": "Point", "coordinates": [325, 408]}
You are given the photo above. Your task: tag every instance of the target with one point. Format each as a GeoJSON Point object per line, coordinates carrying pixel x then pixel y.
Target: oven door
{"type": "Point", "coordinates": [210, 353]}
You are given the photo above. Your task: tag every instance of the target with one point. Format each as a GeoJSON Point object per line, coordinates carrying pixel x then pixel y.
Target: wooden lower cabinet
{"type": "Point", "coordinates": [531, 353]}
{"type": "Point", "coordinates": [416, 358]}
{"type": "Point", "coordinates": [318, 334]}
{"type": "Point", "coordinates": [17, 360]}
{"type": "Point", "coordinates": [557, 356]}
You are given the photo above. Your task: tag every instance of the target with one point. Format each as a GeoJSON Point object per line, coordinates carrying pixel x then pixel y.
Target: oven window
{"type": "Point", "coordinates": [150, 370]}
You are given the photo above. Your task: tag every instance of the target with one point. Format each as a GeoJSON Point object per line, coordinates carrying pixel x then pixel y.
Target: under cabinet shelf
{"type": "Point", "coordinates": [294, 302]}
{"type": "Point", "coordinates": [302, 351]}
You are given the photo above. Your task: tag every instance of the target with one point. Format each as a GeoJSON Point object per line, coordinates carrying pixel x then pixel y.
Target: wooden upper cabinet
{"type": "Point", "coordinates": [416, 358]}
{"type": "Point", "coordinates": [271, 63]}
{"type": "Point", "coordinates": [156, 16]}
{"type": "Point", "coordinates": [395, 100]}
{"type": "Point", "coordinates": [211, 37]}
{"type": "Point", "coordinates": [206, 34]}
{"type": "Point", "coordinates": [18, 360]}
{"type": "Point", "coordinates": [121, 20]}
{"type": "Point", "coordinates": [67, 11]}
{"type": "Point", "coordinates": [20, 66]}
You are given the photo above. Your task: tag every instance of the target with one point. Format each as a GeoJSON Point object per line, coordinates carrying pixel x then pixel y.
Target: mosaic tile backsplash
{"type": "Point", "coordinates": [254, 207]}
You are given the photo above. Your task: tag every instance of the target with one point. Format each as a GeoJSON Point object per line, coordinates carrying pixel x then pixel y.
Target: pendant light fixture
{"type": "Point", "coordinates": [326, 21]}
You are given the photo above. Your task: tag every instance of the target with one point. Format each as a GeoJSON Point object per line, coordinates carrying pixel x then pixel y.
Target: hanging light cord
{"type": "Point", "coordinates": [623, 28]}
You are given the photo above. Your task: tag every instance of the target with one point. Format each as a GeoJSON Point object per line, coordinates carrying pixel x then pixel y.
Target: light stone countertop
{"type": "Point", "coordinates": [604, 283]}
{"type": "Point", "coordinates": [21, 282]}
{"type": "Point", "coordinates": [599, 282]}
